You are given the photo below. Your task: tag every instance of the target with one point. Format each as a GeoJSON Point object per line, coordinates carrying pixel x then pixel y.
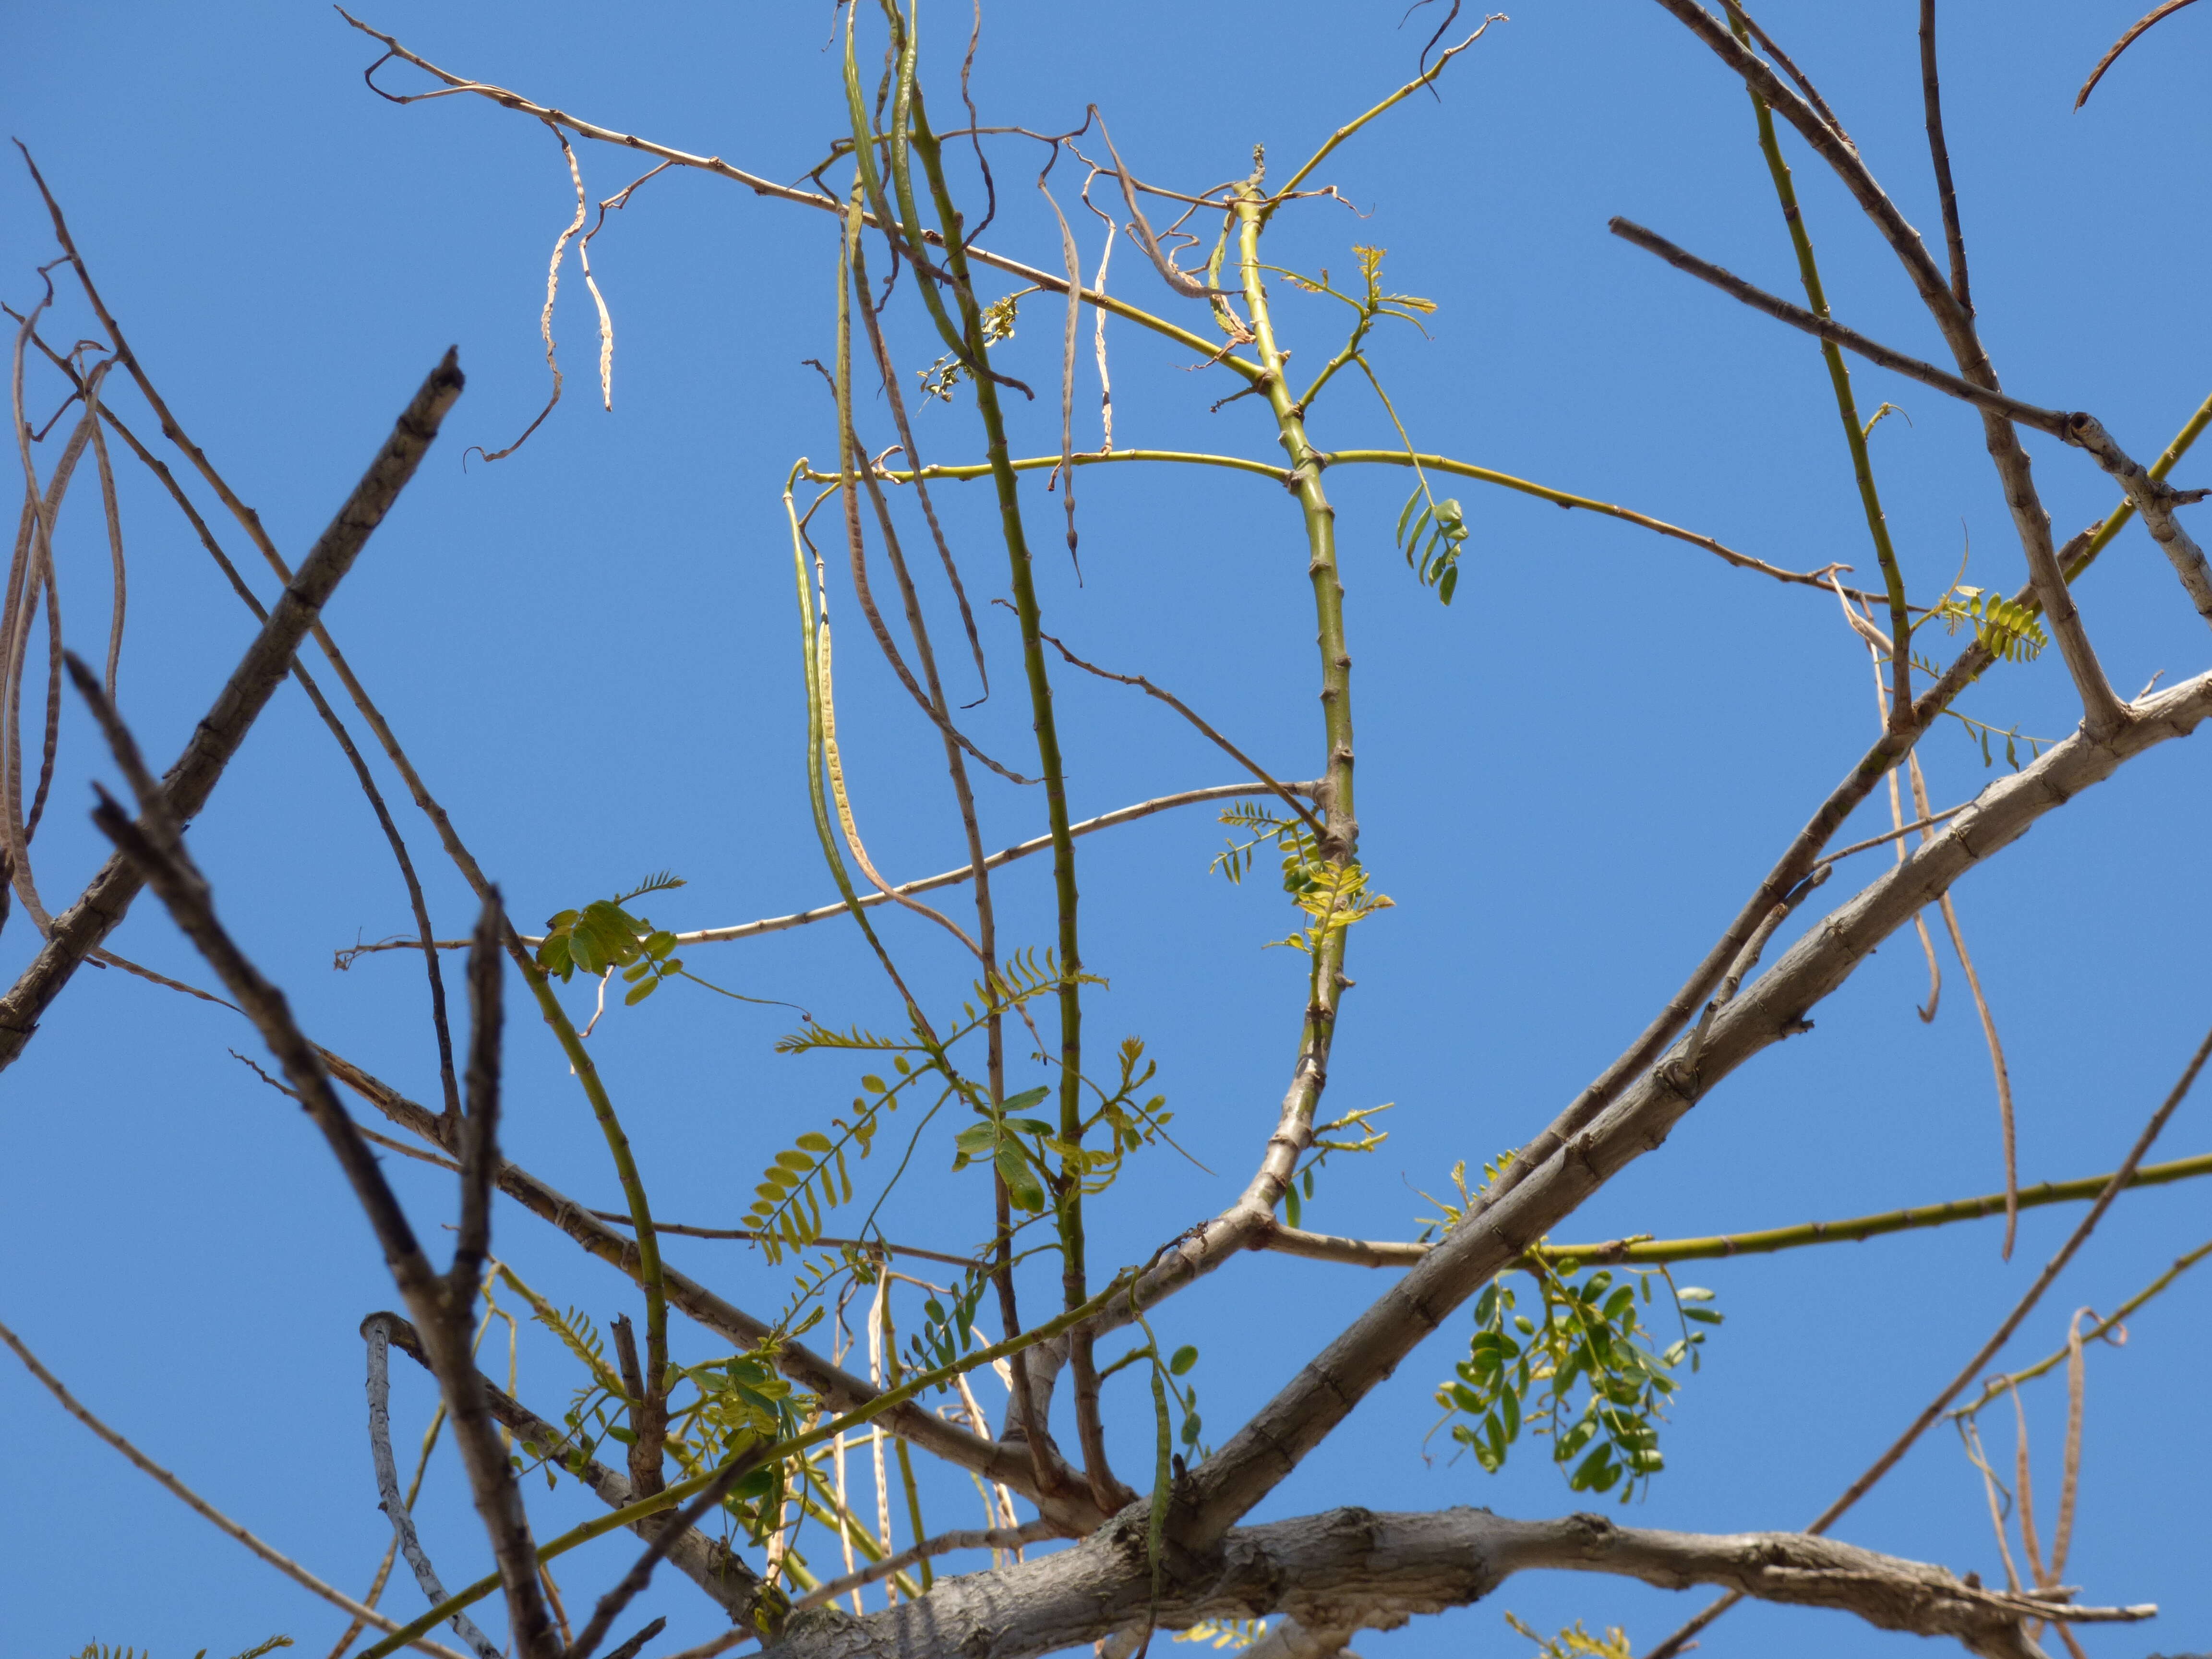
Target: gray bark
{"type": "Point", "coordinates": [1352, 1569]}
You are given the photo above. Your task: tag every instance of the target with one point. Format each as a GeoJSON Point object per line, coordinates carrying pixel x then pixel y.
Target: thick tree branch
{"type": "Point", "coordinates": [185, 787]}
{"type": "Point", "coordinates": [985, 1538]}
{"type": "Point", "coordinates": [1773, 1007]}
{"type": "Point", "coordinates": [1353, 1569]}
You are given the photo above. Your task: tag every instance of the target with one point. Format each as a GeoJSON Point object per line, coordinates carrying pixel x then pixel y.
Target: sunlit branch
{"type": "Point", "coordinates": [2052, 421]}
{"type": "Point", "coordinates": [1384, 1253]}
{"type": "Point", "coordinates": [1357, 122]}
{"type": "Point", "coordinates": [946, 878]}
{"type": "Point", "coordinates": [1564, 498]}
{"type": "Point", "coordinates": [1445, 464]}
{"type": "Point", "coordinates": [968, 471]}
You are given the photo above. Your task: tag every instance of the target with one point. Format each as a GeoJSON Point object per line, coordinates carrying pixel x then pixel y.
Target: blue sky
{"type": "Point", "coordinates": [1570, 778]}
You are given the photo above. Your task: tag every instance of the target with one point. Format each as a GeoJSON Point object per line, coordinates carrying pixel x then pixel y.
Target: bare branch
{"type": "Point", "coordinates": [151, 845]}
{"type": "Point", "coordinates": [1288, 793]}
{"type": "Point", "coordinates": [2056, 422]}
{"type": "Point", "coordinates": [2155, 500]}
{"type": "Point", "coordinates": [1939, 153]}
{"type": "Point", "coordinates": [1392, 1253]}
{"type": "Point", "coordinates": [377, 1337]}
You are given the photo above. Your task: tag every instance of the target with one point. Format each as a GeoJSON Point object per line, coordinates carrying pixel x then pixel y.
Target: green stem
{"type": "Point", "coordinates": [1354, 125]}
{"type": "Point", "coordinates": [640, 1214]}
{"type": "Point", "coordinates": [1420, 459]}
{"type": "Point", "coordinates": [1026, 611]}
{"type": "Point", "coordinates": [1306, 464]}
{"type": "Point", "coordinates": [669, 1497]}
{"type": "Point", "coordinates": [905, 1462]}
{"type": "Point", "coordinates": [1871, 1226]}
{"type": "Point", "coordinates": [967, 471]}
{"type": "Point", "coordinates": [1855, 437]}
{"type": "Point", "coordinates": [1339, 844]}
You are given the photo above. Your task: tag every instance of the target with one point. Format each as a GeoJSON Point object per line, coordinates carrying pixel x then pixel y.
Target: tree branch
{"type": "Point", "coordinates": [1638, 1118]}
{"type": "Point", "coordinates": [376, 1334]}
{"type": "Point", "coordinates": [2154, 498]}
{"type": "Point", "coordinates": [1350, 1569]}
{"type": "Point", "coordinates": [760, 187]}
{"type": "Point", "coordinates": [2054, 421]}
{"type": "Point", "coordinates": [151, 845]}
{"type": "Point", "coordinates": [1008, 1466]}
{"type": "Point", "coordinates": [867, 900]}
{"type": "Point", "coordinates": [722, 1574]}
{"type": "Point", "coordinates": [2101, 707]}
{"type": "Point", "coordinates": [991, 1538]}
{"type": "Point", "coordinates": [1882, 1465]}
{"type": "Point", "coordinates": [1390, 1253]}
{"type": "Point", "coordinates": [186, 785]}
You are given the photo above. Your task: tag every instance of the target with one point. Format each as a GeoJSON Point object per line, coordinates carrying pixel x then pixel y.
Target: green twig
{"type": "Point", "coordinates": [1350, 127]}
{"type": "Point", "coordinates": [1998, 1385]}
{"type": "Point", "coordinates": [1854, 435]}
{"type": "Point", "coordinates": [1870, 1226]}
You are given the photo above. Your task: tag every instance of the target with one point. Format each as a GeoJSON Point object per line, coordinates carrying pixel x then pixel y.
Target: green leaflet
{"type": "Point", "coordinates": [97, 1651]}
{"type": "Point", "coordinates": [1163, 1484]}
{"type": "Point", "coordinates": [1575, 1642]}
{"type": "Point", "coordinates": [944, 376]}
{"type": "Point", "coordinates": [1234, 1634]}
{"type": "Point", "coordinates": [2008, 631]}
{"type": "Point", "coordinates": [1333, 895]}
{"type": "Point", "coordinates": [603, 937]}
{"type": "Point", "coordinates": [1589, 1376]}
{"type": "Point", "coordinates": [949, 1332]}
{"type": "Point", "coordinates": [1433, 541]}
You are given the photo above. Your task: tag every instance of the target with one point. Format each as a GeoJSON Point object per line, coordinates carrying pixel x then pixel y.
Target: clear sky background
{"type": "Point", "coordinates": [1569, 778]}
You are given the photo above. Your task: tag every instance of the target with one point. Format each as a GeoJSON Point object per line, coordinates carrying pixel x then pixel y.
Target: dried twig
{"type": "Point", "coordinates": [283, 1564]}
